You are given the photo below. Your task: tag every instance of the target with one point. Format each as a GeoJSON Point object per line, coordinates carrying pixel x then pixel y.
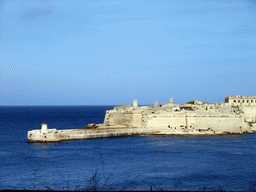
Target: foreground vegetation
{"type": "Point", "coordinates": [98, 182]}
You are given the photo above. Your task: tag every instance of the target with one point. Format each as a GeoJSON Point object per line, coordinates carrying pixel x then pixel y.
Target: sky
{"type": "Point", "coordinates": [98, 52]}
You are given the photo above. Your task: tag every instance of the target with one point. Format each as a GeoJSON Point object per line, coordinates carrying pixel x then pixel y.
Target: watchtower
{"type": "Point", "coordinates": [135, 103]}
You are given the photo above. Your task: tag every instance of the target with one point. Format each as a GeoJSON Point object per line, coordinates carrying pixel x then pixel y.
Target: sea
{"type": "Point", "coordinates": [194, 163]}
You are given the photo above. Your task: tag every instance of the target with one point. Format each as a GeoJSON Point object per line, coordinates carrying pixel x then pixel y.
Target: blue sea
{"type": "Point", "coordinates": [127, 163]}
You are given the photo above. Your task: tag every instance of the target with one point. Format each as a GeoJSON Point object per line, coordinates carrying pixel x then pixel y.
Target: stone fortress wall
{"type": "Point", "coordinates": [190, 117]}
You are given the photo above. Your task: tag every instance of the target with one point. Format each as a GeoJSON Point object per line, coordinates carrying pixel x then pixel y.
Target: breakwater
{"type": "Point", "coordinates": [53, 135]}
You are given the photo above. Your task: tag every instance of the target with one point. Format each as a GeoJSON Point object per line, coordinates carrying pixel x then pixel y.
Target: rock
{"type": "Point", "coordinates": [91, 126]}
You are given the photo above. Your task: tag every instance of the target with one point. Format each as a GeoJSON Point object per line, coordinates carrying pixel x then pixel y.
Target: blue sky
{"type": "Point", "coordinates": [63, 52]}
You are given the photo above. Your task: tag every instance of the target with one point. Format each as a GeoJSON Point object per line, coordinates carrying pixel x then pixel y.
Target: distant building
{"type": "Point", "coordinates": [240, 100]}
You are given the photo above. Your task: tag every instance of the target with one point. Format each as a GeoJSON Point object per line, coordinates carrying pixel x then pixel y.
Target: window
{"type": "Point", "coordinates": [238, 101]}
{"type": "Point", "coordinates": [234, 101]}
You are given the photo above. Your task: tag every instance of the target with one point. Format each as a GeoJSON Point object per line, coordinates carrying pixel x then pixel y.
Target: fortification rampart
{"type": "Point", "coordinates": [194, 115]}
{"type": "Point", "coordinates": [195, 121]}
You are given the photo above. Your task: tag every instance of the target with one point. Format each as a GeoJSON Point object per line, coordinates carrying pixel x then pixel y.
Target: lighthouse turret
{"type": "Point", "coordinates": [44, 127]}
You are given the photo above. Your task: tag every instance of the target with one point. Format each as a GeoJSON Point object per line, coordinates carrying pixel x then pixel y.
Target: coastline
{"type": "Point", "coordinates": [236, 116]}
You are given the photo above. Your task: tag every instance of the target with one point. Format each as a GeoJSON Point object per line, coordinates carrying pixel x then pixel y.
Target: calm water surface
{"type": "Point", "coordinates": [139, 163]}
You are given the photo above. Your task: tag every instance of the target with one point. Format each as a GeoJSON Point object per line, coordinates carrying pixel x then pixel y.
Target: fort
{"type": "Point", "coordinates": [235, 116]}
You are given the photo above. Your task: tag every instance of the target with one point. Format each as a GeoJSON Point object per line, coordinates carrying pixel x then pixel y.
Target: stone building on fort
{"type": "Point", "coordinates": [240, 101]}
